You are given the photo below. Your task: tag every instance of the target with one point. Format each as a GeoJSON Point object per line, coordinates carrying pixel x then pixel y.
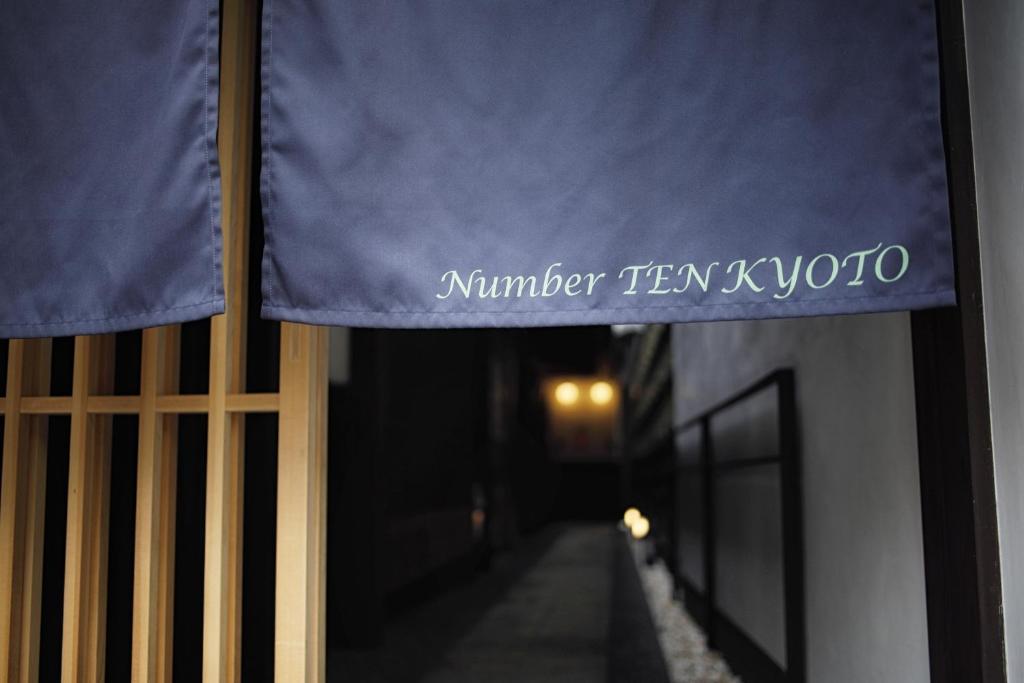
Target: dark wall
{"type": "Point", "coordinates": [407, 443]}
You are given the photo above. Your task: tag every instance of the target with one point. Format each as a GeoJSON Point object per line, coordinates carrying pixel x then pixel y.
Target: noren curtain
{"type": "Point", "coordinates": [448, 163]}
{"type": "Point", "coordinates": [109, 184]}
{"type": "Point", "coordinates": [524, 162]}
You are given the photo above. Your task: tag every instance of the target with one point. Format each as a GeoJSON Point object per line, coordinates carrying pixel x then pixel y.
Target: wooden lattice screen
{"type": "Point", "coordinates": [299, 404]}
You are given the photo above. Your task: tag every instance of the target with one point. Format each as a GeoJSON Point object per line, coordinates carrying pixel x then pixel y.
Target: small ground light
{"type": "Point", "coordinates": [601, 393]}
{"type": "Point", "coordinates": [630, 517]}
{"type": "Point", "coordinates": [567, 393]}
{"type": "Point", "coordinates": [640, 528]}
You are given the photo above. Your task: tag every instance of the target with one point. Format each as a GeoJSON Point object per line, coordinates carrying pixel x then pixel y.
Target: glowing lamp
{"type": "Point", "coordinates": [567, 393]}
{"type": "Point", "coordinates": [640, 528]}
{"type": "Point", "coordinates": [601, 393]}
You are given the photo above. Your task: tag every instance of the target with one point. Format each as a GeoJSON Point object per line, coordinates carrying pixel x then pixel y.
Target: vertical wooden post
{"type": "Point", "coordinates": [152, 613]}
{"type": "Point", "coordinates": [169, 380]}
{"type": "Point", "coordinates": [222, 600]}
{"type": "Point", "coordinates": [22, 505]}
{"type": "Point", "coordinates": [85, 563]}
{"type": "Point", "coordinates": [301, 506]}
{"type": "Point", "coordinates": [223, 561]}
{"type": "Point", "coordinates": [318, 531]}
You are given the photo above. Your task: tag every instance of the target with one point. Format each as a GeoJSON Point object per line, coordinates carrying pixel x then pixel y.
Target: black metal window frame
{"type": "Point", "coordinates": [745, 656]}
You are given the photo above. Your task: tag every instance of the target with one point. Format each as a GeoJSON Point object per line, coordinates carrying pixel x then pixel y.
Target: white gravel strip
{"type": "Point", "coordinates": [682, 642]}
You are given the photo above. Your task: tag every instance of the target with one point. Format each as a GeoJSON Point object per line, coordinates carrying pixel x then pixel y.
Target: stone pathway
{"type": "Point", "coordinates": [572, 605]}
{"type": "Point", "coordinates": [550, 627]}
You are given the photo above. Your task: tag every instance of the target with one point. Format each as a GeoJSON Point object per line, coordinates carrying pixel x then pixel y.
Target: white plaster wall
{"type": "Point", "coordinates": [995, 58]}
{"type": "Point", "coordinates": [866, 618]}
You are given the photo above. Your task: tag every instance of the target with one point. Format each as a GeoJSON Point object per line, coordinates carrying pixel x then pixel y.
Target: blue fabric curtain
{"type": "Point", "coordinates": [441, 163]}
{"type": "Point", "coordinates": [448, 163]}
{"type": "Point", "coordinates": [109, 184]}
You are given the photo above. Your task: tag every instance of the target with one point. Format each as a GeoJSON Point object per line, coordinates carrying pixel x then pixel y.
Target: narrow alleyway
{"type": "Point", "coordinates": [550, 626]}
{"type": "Point", "coordinates": [568, 606]}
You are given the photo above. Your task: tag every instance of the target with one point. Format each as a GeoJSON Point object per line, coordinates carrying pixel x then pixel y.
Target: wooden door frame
{"type": "Point", "coordinates": [963, 583]}
{"type": "Point", "coordinates": [299, 403]}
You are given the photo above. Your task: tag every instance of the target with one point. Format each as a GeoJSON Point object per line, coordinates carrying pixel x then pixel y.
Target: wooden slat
{"type": "Point", "coordinates": [85, 562]}
{"type": "Point", "coordinates": [46, 405]}
{"type": "Point", "coordinates": [183, 404]}
{"type": "Point", "coordinates": [95, 405]}
{"type": "Point", "coordinates": [179, 404]}
{"type": "Point", "coordinates": [22, 508]}
{"type": "Point", "coordinates": [252, 403]}
{"type": "Point", "coordinates": [301, 505]}
{"type": "Point", "coordinates": [11, 513]}
{"type": "Point", "coordinates": [170, 374]}
{"type": "Point", "coordinates": [319, 411]}
{"type": "Point", "coordinates": [154, 512]}
{"type": "Point", "coordinates": [222, 628]}
{"type": "Point", "coordinates": [221, 613]}
{"type": "Point", "coordinates": [113, 405]}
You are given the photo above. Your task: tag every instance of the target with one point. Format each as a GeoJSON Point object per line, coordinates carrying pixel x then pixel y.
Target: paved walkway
{"type": "Point", "coordinates": [550, 627]}
{"type": "Point", "coordinates": [544, 615]}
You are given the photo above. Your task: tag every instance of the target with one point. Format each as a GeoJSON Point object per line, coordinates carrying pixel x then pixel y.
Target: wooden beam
{"type": "Point", "coordinates": [222, 599]}
{"type": "Point", "coordinates": [152, 620]}
{"type": "Point", "coordinates": [85, 562]}
{"type": "Point", "coordinates": [22, 513]}
{"type": "Point", "coordinates": [252, 403]}
{"type": "Point", "coordinates": [183, 404]}
{"type": "Point", "coordinates": [319, 410]}
{"type": "Point", "coordinates": [113, 405]}
{"type": "Point", "coordinates": [46, 405]}
{"type": "Point", "coordinates": [173, 403]}
{"type": "Point", "coordinates": [170, 377]}
{"type": "Point", "coordinates": [301, 506]}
